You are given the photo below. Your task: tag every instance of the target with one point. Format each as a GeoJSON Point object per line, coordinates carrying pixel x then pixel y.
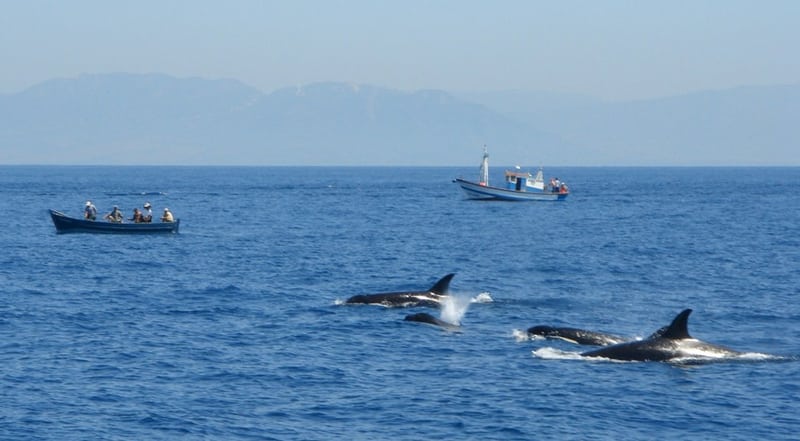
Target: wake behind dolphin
{"type": "Point", "coordinates": [432, 297]}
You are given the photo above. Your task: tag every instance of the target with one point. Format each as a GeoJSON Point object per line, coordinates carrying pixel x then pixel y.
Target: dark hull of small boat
{"type": "Point", "coordinates": [66, 224]}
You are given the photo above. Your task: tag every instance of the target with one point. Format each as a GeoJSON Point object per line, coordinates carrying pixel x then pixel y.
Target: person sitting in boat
{"type": "Point", "coordinates": [137, 216]}
{"type": "Point", "coordinates": [90, 211]}
{"type": "Point", "coordinates": [563, 189]}
{"type": "Point", "coordinates": [147, 214]}
{"type": "Point", "coordinates": [115, 216]}
{"type": "Point", "coordinates": [167, 216]}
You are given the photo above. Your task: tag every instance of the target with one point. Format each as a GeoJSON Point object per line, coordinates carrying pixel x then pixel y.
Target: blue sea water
{"type": "Point", "coordinates": [235, 329]}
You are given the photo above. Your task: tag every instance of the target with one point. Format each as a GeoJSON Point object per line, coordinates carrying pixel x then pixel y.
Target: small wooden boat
{"type": "Point", "coordinates": [67, 224]}
{"type": "Point", "coordinates": [520, 186]}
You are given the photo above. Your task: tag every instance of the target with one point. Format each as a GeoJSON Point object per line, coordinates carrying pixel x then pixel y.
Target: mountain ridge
{"type": "Point", "coordinates": [159, 119]}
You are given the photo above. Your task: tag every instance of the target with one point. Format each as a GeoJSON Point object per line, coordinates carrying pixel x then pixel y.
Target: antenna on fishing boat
{"type": "Point", "coordinates": [484, 168]}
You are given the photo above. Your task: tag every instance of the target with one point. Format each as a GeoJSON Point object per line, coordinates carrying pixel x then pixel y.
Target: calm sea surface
{"type": "Point", "coordinates": [234, 328]}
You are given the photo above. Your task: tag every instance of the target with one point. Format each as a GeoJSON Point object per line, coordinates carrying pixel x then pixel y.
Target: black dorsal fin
{"type": "Point", "coordinates": [442, 285]}
{"type": "Point", "coordinates": [679, 328]}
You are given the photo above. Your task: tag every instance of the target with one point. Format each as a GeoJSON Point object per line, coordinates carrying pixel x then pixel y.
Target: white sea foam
{"type": "Point", "coordinates": [521, 335]}
{"type": "Point", "coordinates": [702, 357]}
{"type": "Point", "coordinates": [556, 354]}
{"type": "Point", "coordinates": [483, 297]}
{"type": "Point", "coordinates": [758, 356]}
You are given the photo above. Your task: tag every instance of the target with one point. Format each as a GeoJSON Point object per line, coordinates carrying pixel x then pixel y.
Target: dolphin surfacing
{"type": "Point", "coordinates": [431, 298]}
{"type": "Point", "coordinates": [424, 317]}
{"type": "Point", "coordinates": [668, 343]}
{"type": "Point", "coordinates": [577, 336]}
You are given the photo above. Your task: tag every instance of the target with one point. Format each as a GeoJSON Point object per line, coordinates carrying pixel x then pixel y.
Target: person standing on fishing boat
{"type": "Point", "coordinates": [147, 215]}
{"type": "Point", "coordinates": [90, 211]}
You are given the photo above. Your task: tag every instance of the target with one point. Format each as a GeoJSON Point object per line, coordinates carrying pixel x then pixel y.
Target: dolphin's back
{"type": "Point", "coordinates": [424, 317]}
{"type": "Point", "coordinates": [662, 345]}
{"type": "Point", "coordinates": [575, 335]}
{"type": "Point", "coordinates": [644, 350]}
{"type": "Point", "coordinates": [430, 298]}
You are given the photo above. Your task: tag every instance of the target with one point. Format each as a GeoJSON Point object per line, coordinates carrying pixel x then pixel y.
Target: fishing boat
{"type": "Point", "coordinates": [67, 224]}
{"type": "Point", "coordinates": [519, 186]}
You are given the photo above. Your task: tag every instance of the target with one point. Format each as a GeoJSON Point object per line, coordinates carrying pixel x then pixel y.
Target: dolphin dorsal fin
{"type": "Point", "coordinates": [679, 328]}
{"type": "Point", "coordinates": [442, 285]}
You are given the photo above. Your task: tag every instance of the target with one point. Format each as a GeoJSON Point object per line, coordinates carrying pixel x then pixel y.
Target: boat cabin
{"type": "Point", "coordinates": [518, 180]}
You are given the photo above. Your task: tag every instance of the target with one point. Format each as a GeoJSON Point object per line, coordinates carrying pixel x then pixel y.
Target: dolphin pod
{"type": "Point", "coordinates": [668, 343]}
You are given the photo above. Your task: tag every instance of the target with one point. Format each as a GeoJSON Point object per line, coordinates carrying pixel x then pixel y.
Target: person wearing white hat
{"type": "Point", "coordinates": [147, 214]}
{"type": "Point", "coordinates": [167, 217]}
{"type": "Point", "coordinates": [90, 211]}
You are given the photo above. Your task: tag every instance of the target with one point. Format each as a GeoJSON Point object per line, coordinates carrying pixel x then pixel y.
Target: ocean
{"type": "Point", "coordinates": [235, 328]}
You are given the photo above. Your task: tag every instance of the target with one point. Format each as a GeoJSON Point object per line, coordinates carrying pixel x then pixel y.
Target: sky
{"type": "Point", "coordinates": [614, 50]}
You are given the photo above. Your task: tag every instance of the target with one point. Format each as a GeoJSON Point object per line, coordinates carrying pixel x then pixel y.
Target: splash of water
{"type": "Point", "coordinates": [483, 297]}
{"type": "Point", "coordinates": [521, 335]}
{"type": "Point", "coordinates": [556, 354]}
{"type": "Point", "coordinates": [453, 308]}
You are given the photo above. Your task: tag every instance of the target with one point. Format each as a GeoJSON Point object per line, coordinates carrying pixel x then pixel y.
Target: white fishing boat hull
{"type": "Point", "coordinates": [475, 190]}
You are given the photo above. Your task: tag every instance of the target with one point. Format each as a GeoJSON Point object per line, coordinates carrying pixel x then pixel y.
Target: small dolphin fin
{"type": "Point", "coordinates": [659, 332]}
{"type": "Point", "coordinates": [442, 285]}
{"type": "Point", "coordinates": [679, 328]}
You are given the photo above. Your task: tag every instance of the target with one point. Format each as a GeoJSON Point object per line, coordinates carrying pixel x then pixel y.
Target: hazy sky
{"type": "Point", "coordinates": [607, 49]}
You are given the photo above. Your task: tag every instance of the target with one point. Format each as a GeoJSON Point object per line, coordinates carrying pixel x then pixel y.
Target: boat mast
{"type": "Point", "coordinates": [485, 168]}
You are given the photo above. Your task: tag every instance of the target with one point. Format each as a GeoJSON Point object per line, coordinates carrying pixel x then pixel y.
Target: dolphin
{"type": "Point", "coordinates": [668, 343]}
{"type": "Point", "coordinates": [424, 317]}
{"type": "Point", "coordinates": [583, 336]}
{"type": "Point", "coordinates": [577, 336]}
{"type": "Point", "coordinates": [432, 297]}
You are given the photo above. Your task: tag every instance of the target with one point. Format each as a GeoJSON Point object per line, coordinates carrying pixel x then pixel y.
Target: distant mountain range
{"type": "Point", "coordinates": [158, 119]}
